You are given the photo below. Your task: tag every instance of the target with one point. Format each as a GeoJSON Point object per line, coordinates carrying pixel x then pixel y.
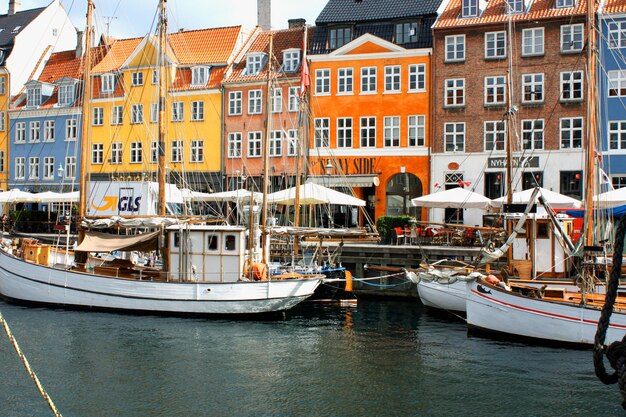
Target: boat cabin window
{"type": "Point", "coordinates": [230, 243]}
{"type": "Point", "coordinates": [176, 239]}
{"type": "Point", "coordinates": [543, 231]}
{"type": "Point", "coordinates": [212, 242]}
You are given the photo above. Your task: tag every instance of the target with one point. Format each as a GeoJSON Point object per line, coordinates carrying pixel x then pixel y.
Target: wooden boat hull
{"type": "Point", "coordinates": [28, 282]}
{"type": "Point", "coordinates": [496, 310]}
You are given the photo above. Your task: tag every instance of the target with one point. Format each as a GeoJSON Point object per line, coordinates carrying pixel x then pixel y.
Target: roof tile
{"type": "Point", "coordinates": [614, 6]}
{"type": "Point", "coordinates": [338, 11]}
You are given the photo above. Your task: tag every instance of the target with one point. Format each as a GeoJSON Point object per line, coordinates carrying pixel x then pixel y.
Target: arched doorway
{"type": "Point", "coordinates": [401, 188]}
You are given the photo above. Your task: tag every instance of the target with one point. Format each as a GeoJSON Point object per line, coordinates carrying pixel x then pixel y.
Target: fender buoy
{"type": "Point", "coordinates": [348, 276]}
{"type": "Point", "coordinates": [259, 271]}
{"type": "Point", "coordinates": [492, 279]}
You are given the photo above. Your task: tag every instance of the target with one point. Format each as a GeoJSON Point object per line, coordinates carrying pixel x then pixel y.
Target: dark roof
{"type": "Point", "coordinates": [338, 11]}
{"type": "Point", "coordinates": [19, 20]}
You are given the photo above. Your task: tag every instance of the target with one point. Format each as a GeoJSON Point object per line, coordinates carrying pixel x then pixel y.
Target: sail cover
{"type": "Point", "coordinates": [104, 242]}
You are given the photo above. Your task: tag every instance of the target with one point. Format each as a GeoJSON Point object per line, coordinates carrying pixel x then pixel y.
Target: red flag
{"type": "Point", "coordinates": [305, 79]}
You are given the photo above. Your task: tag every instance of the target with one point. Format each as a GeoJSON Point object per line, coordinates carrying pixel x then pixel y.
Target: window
{"type": "Point", "coordinates": [255, 100]}
{"type": "Point", "coordinates": [322, 81]}
{"type": "Point", "coordinates": [137, 78]}
{"type": "Point", "coordinates": [136, 115]}
{"type": "Point", "coordinates": [617, 83]}
{"type": "Point", "coordinates": [154, 112]}
{"type": "Point", "coordinates": [234, 145]}
{"type": "Point", "coordinates": [97, 153]}
{"type": "Point", "coordinates": [277, 100]}
{"type": "Point", "coordinates": [199, 75]}
{"type": "Point", "coordinates": [392, 79]}
{"type": "Point", "coordinates": [532, 42]}
{"type": "Point", "coordinates": [344, 132]}
{"type": "Point", "coordinates": [322, 132]}
{"type": "Point", "coordinates": [66, 94]}
{"type": "Point", "coordinates": [339, 37]}
{"type": "Point", "coordinates": [276, 143]}
{"type": "Point", "coordinates": [572, 38]}
{"type": "Point", "coordinates": [532, 88]}
{"type": "Point", "coordinates": [98, 116]}
{"type": "Point", "coordinates": [292, 142]}
{"type": "Point", "coordinates": [234, 103]}
{"type": "Point", "coordinates": [20, 168]}
{"type": "Point", "coordinates": [455, 48]}
{"type": "Point", "coordinates": [515, 6]}
{"type": "Point", "coordinates": [35, 132]}
{"type": "Point", "coordinates": [470, 8]}
{"type": "Point", "coordinates": [294, 93]}
{"type": "Point", "coordinates": [1, 161]}
{"type": "Point", "coordinates": [3, 85]}
{"type": "Point", "coordinates": [406, 32]}
{"type": "Point", "coordinates": [2, 121]}
{"type": "Point", "coordinates": [116, 153]}
{"type": "Point", "coordinates": [392, 131]}
{"type": "Point", "coordinates": [71, 129]}
{"type": "Point", "coordinates": [177, 151]}
{"type": "Point", "coordinates": [155, 77]}
{"type": "Point", "coordinates": [617, 34]}
{"type": "Point", "coordinates": [154, 151]}
{"type": "Point", "coordinates": [117, 115]}
{"type": "Point", "coordinates": [417, 131]}
{"type": "Point", "coordinates": [197, 111]}
{"type": "Point", "coordinates": [494, 184]}
{"type": "Point", "coordinates": [495, 90]}
{"type": "Point", "coordinates": [254, 144]}
{"type": "Point", "coordinates": [33, 97]}
{"type": "Point", "coordinates": [617, 134]}
{"type": "Point", "coordinates": [197, 151]}
{"type": "Point", "coordinates": [495, 45]}
{"type": "Point", "coordinates": [454, 137]}
{"type": "Point", "coordinates": [571, 184]}
{"type": "Point", "coordinates": [368, 80]}
{"type": "Point", "coordinates": [33, 168]}
{"type": "Point", "coordinates": [345, 81]}
{"type": "Point", "coordinates": [532, 134]}
{"type": "Point", "coordinates": [254, 63]}
{"type": "Point", "coordinates": [48, 168]}
{"type": "Point", "coordinates": [572, 86]}
{"type": "Point", "coordinates": [455, 92]}
{"type": "Point", "coordinates": [532, 180]}
{"type": "Point", "coordinates": [20, 132]}
{"type": "Point", "coordinates": [107, 83]}
{"type": "Point", "coordinates": [618, 182]}
{"type": "Point", "coordinates": [291, 60]}
{"type": "Point", "coordinates": [136, 153]}
{"type": "Point", "coordinates": [368, 132]}
{"type": "Point", "coordinates": [417, 77]}
{"type": "Point", "coordinates": [178, 111]}
{"type": "Point", "coordinates": [494, 136]}
{"type": "Point", "coordinates": [571, 129]}
{"type": "Point", "coordinates": [564, 3]}
{"type": "Point", "coordinates": [70, 167]}
{"type": "Point", "coordinates": [48, 131]}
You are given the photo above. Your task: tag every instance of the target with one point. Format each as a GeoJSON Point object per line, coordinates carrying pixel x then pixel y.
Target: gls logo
{"type": "Point", "coordinates": [122, 204]}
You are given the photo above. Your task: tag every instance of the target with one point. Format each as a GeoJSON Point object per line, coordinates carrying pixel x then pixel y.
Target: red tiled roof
{"type": "Point", "coordinates": [204, 46]}
{"type": "Point", "coordinates": [65, 64]}
{"type": "Point", "coordinates": [116, 54]}
{"type": "Point", "coordinates": [183, 79]}
{"type": "Point", "coordinates": [495, 13]}
{"type": "Point", "coordinates": [614, 6]}
{"type": "Point", "coordinates": [283, 40]}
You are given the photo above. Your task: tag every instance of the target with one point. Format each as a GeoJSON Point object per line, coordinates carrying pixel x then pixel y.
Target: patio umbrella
{"type": "Point", "coordinates": [555, 200]}
{"type": "Point", "coordinates": [611, 198]}
{"type": "Point", "coordinates": [311, 193]}
{"type": "Point", "coordinates": [17, 196]}
{"type": "Point", "coordinates": [453, 198]}
{"type": "Point", "coordinates": [234, 196]}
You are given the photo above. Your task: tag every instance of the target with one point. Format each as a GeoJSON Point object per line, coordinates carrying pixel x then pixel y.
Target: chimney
{"type": "Point", "coordinates": [80, 43]}
{"type": "Point", "coordinates": [264, 14]}
{"type": "Point", "coordinates": [296, 23]}
{"type": "Point", "coordinates": [14, 6]}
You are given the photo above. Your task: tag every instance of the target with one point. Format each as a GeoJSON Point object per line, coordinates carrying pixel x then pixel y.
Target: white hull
{"type": "Point", "coordinates": [29, 282]}
{"type": "Point", "coordinates": [496, 310]}
{"type": "Point", "coordinates": [450, 297]}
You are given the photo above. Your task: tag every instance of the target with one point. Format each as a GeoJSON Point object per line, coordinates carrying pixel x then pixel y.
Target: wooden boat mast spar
{"type": "Point", "coordinates": [266, 149]}
{"type": "Point", "coordinates": [162, 90]}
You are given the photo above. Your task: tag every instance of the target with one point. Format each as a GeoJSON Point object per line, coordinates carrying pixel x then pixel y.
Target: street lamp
{"type": "Point", "coordinates": [60, 171]}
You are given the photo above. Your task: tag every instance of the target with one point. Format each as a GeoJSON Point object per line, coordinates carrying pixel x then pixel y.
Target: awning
{"type": "Point", "coordinates": [104, 242]}
{"type": "Point", "coordinates": [345, 180]}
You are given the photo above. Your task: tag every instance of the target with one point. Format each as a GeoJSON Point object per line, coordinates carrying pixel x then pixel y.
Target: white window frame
{"type": "Point", "coordinates": [469, 8]}
{"type": "Point", "coordinates": [616, 83]}
{"type": "Point", "coordinates": [154, 112]}
{"type": "Point", "coordinates": [20, 132]}
{"type": "Point", "coordinates": [393, 79]}
{"type": "Point", "coordinates": [177, 151]}
{"type": "Point", "coordinates": [573, 80]}
{"type": "Point", "coordinates": [197, 111]}
{"type": "Point", "coordinates": [345, 81]}
{"type": "Point", "coordinates": [34, 131]}
{"type": "Point", "coordinates": [416, 131]}
{"type": "Point", "coordinates": [367, 132]}
{"type": "Point", "coordinates": [20, 168]}
{"type": "Point", "coordinates": [178, 111]}
{"type": "Point", "coordinates": [154, 151]}
{"type": "Point", "coordinates": [369, 80]}
{"type": "Point", "coordinates": [97, 118]}
{"type": "Point", "coordinates": [255, 144]}
{"type": "Point", "coordinates": [533, 134]}
{"type": "Point", "coordinates": [494, 139]}
{"type": "Point", "coordinates": [254, 64]}
{"type": "Point", "coordinates": [292, 142]}
{"type": "Point", "coordinates": [70, 167]}
{"type": "Point", "coordinates": [571, 131]}
{"type": "Point", "coordinates": [495, 45]}
{"type": "Point", "coordinates": [617, 34]}
{"type": "Point", "coordinates": [294, 94]}
{"type": "Point", "coordinates": [71, 130]}
{"type": "Point", "coordinates": [137, 78]}
{"type": "Point", "coordinates": [291, 60]}
{"type": "Point", "coordinates": [107, 83]}
{"type": "Point", "coordinates": [117, 115]}
{"type": "Point", "coordinates": [322, 82]}
{"type": "Point", "coordinates": [200, 75]}
{"type": "Point", "coordinates": [495, 86]}
{"type": "Point", "coordinates": [136, 114]}
{"type": "Point", "coordinates": [562, 4]}
{"type": "Point", "coordinates": [572, 38]}
{"type": "Point", "coordinates": [417, 78]}
{"type": "Point", "coordinates": [345, 132]}
{"type": "Point", "coordinates": [136, 153]}
{"type": "Point", "coordinates": [452, 87]}
{"type": "Point", "coordinates": [277, 100]}
{"type": "Point", "coordinates": [391, 131]}
{"type": "Point", "coordinates": [196, 154]}
{"type": "Point", "coordinates": [617, 134]}
{"type": "Point", "coordinates": [97, 153]}
{"type": "Point", "coordinates": [454, 137]}
{"type": "Point", "coordinates": [235, 144]}
{"type": "Point", "coordinates": [235, 103]}
{"type": "Point", "coordinates": [255, 101]}
{"type": "Point", "coordinates": [33, 97]}
{"type": "Point", "coordinates": [48, 130]}
{"type": "Point", "coordinates": [276, 143]}
{"type": "Point", "coordinates": [48, 168]}
{"type": "Point", "coordinates": [321, 132]}
{"type": "Point", "coordinates": [454, 48]}
{"type": "Point", "coordinates": [155, 77]}
{"type": "Point", "coordinates": [33, 168]}
{"type": "Point", "coordinates": [533, 41]}
{"type": "Point", "coordinates": [117, 149]}
{"type": "Point", "coordinates": [532, 88]}
{"type": "Point", "coordinates": [66, 94]}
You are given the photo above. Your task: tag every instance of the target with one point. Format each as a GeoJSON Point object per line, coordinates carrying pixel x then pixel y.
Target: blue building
{"type": "Point", "coordinates": [612, 82]}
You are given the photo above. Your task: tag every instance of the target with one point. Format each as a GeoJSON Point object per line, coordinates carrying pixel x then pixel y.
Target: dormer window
{"type": "Point", "coordinates": [291, 60]}
{"type": "Point", "coordinates": [470, 8]}
{"type": "Point", "coordinates": [254, 63]}
{"type": "Point", "coordinates": [66, 94]}
{"type": "Point", "coordinates": [339, 37]}
{"type": "Point", "coordinates": [406, 33]}
{"type": "Point", "coordinates": [108, 83]}
{"type": "Point", "coordinates": [199, 75]}
{"type": "Point", "coordinates": [515, 6]}
{"type": "Point", "coordinates": [16, 29]}
{"type": "Point", "coordinates": [33, 97]}
{"type": "Point", "coordinates": [562, 4]}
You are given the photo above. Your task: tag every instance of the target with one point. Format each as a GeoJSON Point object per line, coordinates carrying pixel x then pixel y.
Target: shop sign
{"type": "Point", "coordinates": [523, 162]}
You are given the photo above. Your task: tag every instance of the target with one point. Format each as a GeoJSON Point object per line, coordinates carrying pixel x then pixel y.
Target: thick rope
{"type": "Point", "coordinates": [28, 368]}
{"type": "Point", "coordinates": [616, 351]}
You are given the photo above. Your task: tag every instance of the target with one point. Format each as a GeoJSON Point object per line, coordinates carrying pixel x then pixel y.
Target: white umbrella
{"type": "Point", "coordinates": [611, 198]}
{"type": "Point", "coordinates": [235, 195]}
{"type": "Point", "coordinates": [453, 198]}
{"type": "Point", "coordinates": [313, 194]}
{"type": "Point", "coordinates": [17, 196]}
{"type": "Point", "coordinates": [52, 197]}
{"type": "Point", "coordinates": [555, 200]}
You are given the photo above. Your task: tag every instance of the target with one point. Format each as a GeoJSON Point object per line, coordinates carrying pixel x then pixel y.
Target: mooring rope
{"type": "Point", "coordinates": [371, 284]}
{"type": "Point", "coordinates": [28, 368]}
{"type": "Point", "coordinates": [616, 351]}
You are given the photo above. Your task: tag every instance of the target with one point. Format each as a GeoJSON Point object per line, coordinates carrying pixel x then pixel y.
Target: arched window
{"type": "Point", "coordinates": [401, 188]}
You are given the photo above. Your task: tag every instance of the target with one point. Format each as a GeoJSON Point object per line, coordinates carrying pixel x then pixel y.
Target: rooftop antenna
{"type": "Point", "coordinates": [107, 23]}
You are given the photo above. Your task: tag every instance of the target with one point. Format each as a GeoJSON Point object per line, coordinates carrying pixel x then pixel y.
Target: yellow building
{"type": "Point", "coordinates": [124, 108]}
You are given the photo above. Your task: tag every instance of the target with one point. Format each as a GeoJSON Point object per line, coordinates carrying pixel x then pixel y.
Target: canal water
{"type": "Point", "coordinates": [383, 358]}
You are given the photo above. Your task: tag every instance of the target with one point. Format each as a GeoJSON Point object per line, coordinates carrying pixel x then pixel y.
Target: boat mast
{"type": "Point", "coordinates": [510, 117]}
{"type": "Point", "coordinates": [85, 139]}
{"type": "Point", "coordinates": [266, 149]}
{"type": "Point", "coordinates": [162, 87]}
{"type": "Point", "coordinates": [301, 133]}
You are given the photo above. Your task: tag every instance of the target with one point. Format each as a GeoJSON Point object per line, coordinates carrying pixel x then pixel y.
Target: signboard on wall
{"type": "Point", "coordinates": [523, 162]}
{"type": "Point", "coordinates": [346, 166]}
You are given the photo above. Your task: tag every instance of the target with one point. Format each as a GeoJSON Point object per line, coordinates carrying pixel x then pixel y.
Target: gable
{"type": "Point", "coordinates": [369, 48]}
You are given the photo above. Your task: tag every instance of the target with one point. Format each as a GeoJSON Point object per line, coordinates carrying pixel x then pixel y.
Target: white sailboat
{"type": "Point", "coordinates": [206, 269]}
